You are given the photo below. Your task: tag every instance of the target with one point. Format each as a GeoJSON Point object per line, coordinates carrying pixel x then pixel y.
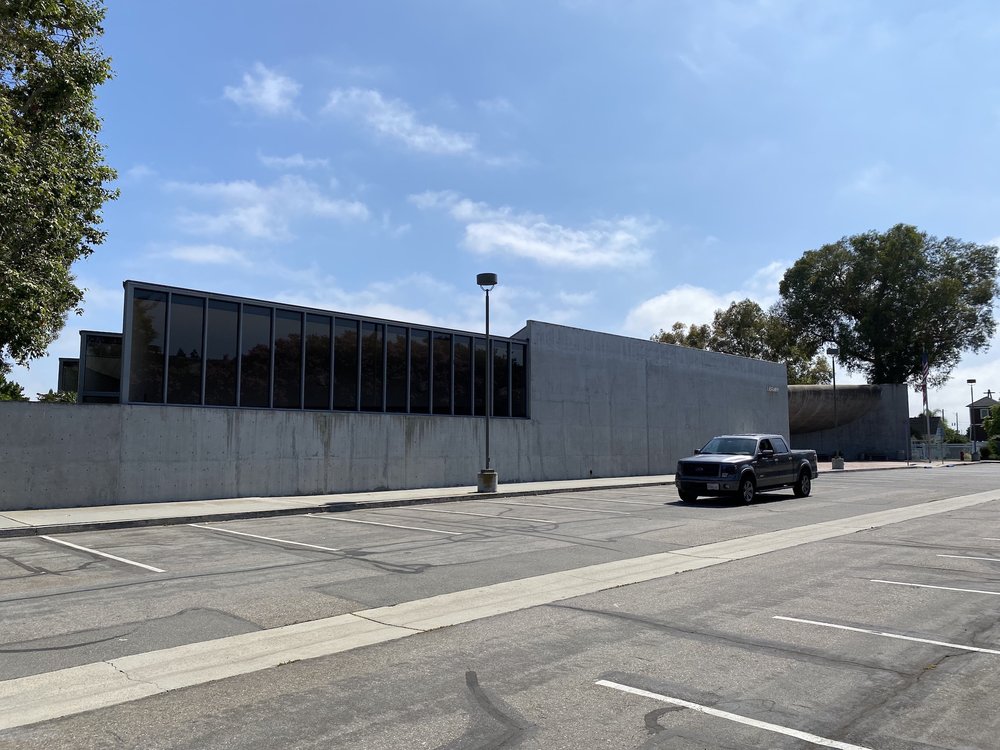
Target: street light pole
{"type": "Point", "coordinates": [972, 425]}
{"type": "Point", "coordinates": [838, 461]}
{"type": "Point", "coordinates": [487, 479]}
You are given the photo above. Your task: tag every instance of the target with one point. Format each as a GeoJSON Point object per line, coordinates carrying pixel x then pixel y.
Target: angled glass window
{"type": "Point", "coordinates": [463, 375]}
{"type": "Point", "coordinates": [69, 374]}
{"type": "Point", "coordinates": [442, 373]}
{"type": "Point", "coordinates": [149, 325]}
{"type": "Point", "coordinates": [103, 364]}
{"type": "Point", "coordinates": [287, 359]}
{"type": "Point", "coordinates": [518, 381]}
{"type": "Point", "coordinates": [255, 367]}
{"type": "Point", "coordinates": [395, 369]}
{"type": "Point", "coordinates": [345, 364]}
{"type": "Point", "coordinates": [479, 381]}
{"type": "Point", "coordinates": [222, 353]}
{"type": "Point", "coordinates": [187, 321]}
{"type": "Point", "coordinates": [317, 375]}
{"type": "Point", "coordinates": [501, 383]}
{"type": "Point", "coordinates": [372, 359]}
{"type": "Point", "coordinates": [420, 372]}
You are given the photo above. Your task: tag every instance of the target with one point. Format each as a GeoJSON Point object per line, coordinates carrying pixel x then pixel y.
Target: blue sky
{"type": "Point", "coordinates": [620, 164]}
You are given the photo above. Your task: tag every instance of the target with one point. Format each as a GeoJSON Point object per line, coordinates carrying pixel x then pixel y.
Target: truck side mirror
{"type": "Point", "coordinates": [697, 451]}
{"type": "Point", "coordinates": [767, 453]}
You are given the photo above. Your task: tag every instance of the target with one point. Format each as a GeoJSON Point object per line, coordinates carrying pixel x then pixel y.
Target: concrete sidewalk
{"type": "Point", "coordinates": [64, 520]}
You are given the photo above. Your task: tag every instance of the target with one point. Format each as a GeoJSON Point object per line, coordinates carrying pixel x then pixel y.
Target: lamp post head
{"type": "Point", "coordinates": [486, 281]}
{"type": "Point", "coordinates": [971, 381]}
{"type": "Point", "coordinates": [833, 351]}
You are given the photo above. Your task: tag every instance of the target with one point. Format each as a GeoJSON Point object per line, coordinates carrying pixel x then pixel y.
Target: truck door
{"type": "Point", "coordinates": [784, 463]}
{"type": "Point", "coordinates": [766, 465]}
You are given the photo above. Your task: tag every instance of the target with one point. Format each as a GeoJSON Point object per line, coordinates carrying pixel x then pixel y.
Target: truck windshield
{"type": "Point", "coordinates": [731, 446]}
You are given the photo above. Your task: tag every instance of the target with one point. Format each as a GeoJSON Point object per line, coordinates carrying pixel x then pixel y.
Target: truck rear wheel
{"type": "Point", "coordinates": [803, 487]}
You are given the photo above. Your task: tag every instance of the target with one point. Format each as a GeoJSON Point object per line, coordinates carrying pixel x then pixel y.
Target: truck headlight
{"type": "Point", "coordinates": [728, 470]}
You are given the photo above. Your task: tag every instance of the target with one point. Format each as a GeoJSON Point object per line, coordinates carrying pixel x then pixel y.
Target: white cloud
{"type": "Point", "coordinates": [498, 105]}
{"type": "Point", "coordinates": [262, 212]}
{"type": "Point", "coordinates": [394, 119]}
{"type": "Point", "coordinates": [265, 91]}
{"type": "Point", "coordinates": [995, 242]}
{"type": "Point", "coordinates": [694, 304]}
{"type": "Point", "coordinates": [139, 172]}
{"type": "Point", "coordinates": [869, 181]}
{"type": "Point", "coordinates": [207, 255]}
{"type": "Point", "coordinates": [618, 243]}
{"type": "Point", "coordinates": [295, 161]}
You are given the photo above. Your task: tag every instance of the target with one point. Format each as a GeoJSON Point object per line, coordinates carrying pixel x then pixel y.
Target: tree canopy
{"type": "Point", "coordinates": [52, 173]}
{"type": "Point", "coordinates": [747, 330]}
{"type": "Point", "coordinates": [886, 298]}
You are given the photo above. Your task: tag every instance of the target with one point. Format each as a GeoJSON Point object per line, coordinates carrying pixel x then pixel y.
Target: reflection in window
{"type": "Point", "coordinates": [149, 321]}
{"type": "Point", "coordinates": [287, 359]}
{"type": "Point", "coordinates": [480, 377]}
{"type": "Point", "coordinates": [221, 353]}
{"type": "Point", "coordinates": [420, 372]}
{"type": "Point", "coordinates": [255, 368]}
{"type": "Point", "coordinates": [463, 375]}
{"type": "Point", "coordinates": [395, 369]}
{"type": "Point", "coordinates": [442, 373]}
{"type": "Point", "coordinates": [187, 319]}
{"type": "Point", "coordinates": [518, 381]}
{"type": "Point", "coordinates": [371, 366]}
{"type": "Point", "coordinates": [345, 365]}
{"type": "Point", "coordinates": [317, 375]}
{"type": "Point", "coordinates": [102, 364]}
{"type": "Point", "coordinates": [501, 390]}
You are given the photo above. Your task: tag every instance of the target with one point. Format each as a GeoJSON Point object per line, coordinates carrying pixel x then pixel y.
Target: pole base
{"type": "Point", "coordinates": [838, 462]}
{"type": "Point", "coordinates": [487, 480]}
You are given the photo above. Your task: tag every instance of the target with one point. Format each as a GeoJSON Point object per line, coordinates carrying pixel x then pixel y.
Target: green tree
{"type": "Point", "coordinates": [57, 397]}
{"type": "Point", "coordinates": [52, 174]}
{"type": "Point", "coordinates": [11, 391]}
{"type": "Point", "coordinates": [747, 330]}
{"type": "Point", "coordinates": [885, 298]}
{"type": "Point", "coordinates": [991, 424]}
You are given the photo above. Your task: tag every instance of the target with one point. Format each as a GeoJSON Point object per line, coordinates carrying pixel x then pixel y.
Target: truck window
{"type": "Point", "coordinates": [779, 445]}
{"type": "Point", "coordinates": [765, 445]}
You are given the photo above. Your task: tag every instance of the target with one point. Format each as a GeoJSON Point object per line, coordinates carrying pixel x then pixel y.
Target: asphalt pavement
{"type": "Point", "coordinates": [66, 520]}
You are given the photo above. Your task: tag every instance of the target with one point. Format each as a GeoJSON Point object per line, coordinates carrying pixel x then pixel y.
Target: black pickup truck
{"type": "Point", "coordinates": [744, 465]}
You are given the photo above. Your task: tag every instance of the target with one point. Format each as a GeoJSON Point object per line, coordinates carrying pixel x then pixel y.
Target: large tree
{"type": "Point", "coordinates": [747, 330]}
{"type": "Point", "coordinates": [53, 179]}
{"type": "Point", "coordinates": [886, 298]}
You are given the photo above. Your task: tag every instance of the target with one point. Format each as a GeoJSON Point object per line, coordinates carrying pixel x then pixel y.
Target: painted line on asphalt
{"type": "Point", "coordinates": [377, 523]}
{"type": "Point", "coordinates": [265, 538]}
{"type": "Point", "coordinates": [560, 507]}
{"type": "Point", "coordinates": [884, 634]}
{"type": "Point", "coordinates": [103, 554]}
{"type": "Point", "coordinates": [991, 538]}
{"type": "Point", "coordinates": [482, 515]}
{"type": "Point", "coordinates": [756, 723]}
{"type": "Point", "coordinates": [622, 502]}
{"type": "Point", "coordinates": [970, 557]}
{"type": "Point", "coordinates": [942, 588]}
{"type": "Point", "coordinates": [46, 696]}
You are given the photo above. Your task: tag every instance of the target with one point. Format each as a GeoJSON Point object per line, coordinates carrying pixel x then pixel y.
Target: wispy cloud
{"type": "Point", "coordinates": [395, 120]}
{"type": "Point", "coordinates": [265, 91]}
{"type": "Point", "coordinates": [207, 255]}
{"type": "Point", "coordinates": [262, 212]}
{"type": "Point", "coordinates": [870, 180]}
{"type": "Point", "coordinates": [498, 105]}
{"type": "Point", "coordinates": [618, 243]}
{"type": "Point", "coordinates": [294, 161]}
{"type": "Point", "coordinates": [694, 304]}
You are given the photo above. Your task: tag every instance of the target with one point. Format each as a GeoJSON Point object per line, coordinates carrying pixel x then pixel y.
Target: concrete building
{"type": "Point", "coordinates": [227, 397]}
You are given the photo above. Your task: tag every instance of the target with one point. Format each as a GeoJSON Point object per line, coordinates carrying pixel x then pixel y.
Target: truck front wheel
{"type": "Point", "coordinates": [747, 489]}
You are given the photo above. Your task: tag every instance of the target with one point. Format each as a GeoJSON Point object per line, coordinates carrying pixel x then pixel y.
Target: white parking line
{"type": "Point", "coordinates": [102, 554]}
{"type": "Point", "coordinates": [376, 523]}
{"type": "Point", "coordinates": [991, 538]}
{"type": "Point", "coordinates": [624, 502]}
{"type": "Point", "coordinates": [969, 557]}
{"type": "Point", "coordinates": [560, 507]}
{"type": "Point", "coordinates": [943, 588]}
{"type": "Point", "coordinates": [265, 538]}
{"type": "Point", "coordinates": [889, 635]}
{"type": "Point", "coordinates": [766, 725]}
{"type": "Point", "coordinates": [482, 515]}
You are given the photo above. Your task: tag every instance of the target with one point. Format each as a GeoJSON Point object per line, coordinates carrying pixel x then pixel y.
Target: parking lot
{"type": "Point", "coordinates": [883, 638]}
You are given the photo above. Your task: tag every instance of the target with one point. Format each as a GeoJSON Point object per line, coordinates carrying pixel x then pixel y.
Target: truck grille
{"type": "Point", "coordinates": [698, 470]}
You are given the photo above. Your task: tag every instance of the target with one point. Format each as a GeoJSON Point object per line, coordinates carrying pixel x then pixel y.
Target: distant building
{"type": "Point", "coordinates": [978, 411]}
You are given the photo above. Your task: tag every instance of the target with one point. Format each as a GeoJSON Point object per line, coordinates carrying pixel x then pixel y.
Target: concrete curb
{"type": "Point", "coordinates": [343, 506]}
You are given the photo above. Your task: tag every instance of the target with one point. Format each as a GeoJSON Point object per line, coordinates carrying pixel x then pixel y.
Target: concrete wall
{"type": "Point", "coordinates": [601, 405]}
{"type": "Point", "coordinates": [880, 428]}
